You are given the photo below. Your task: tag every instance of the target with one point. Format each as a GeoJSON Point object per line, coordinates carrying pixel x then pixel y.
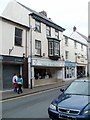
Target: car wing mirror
{"type": "Point", "coordinates": [61, 89]}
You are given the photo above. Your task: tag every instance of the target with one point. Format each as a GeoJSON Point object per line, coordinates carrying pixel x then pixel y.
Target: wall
{"type": "Point", "coordinates": [11, 10]}
{"type": "Point", "coordinates": [8, 38]}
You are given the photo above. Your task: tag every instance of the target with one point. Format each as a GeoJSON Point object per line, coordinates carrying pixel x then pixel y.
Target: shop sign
{"type": "Point", "coordinates": [70, 64]}
{"type": "Point", "coordinates": [49, 63]}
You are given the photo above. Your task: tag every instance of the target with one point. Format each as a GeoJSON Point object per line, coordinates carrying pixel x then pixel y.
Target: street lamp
{"type": "Point", "coordinates": [31, 29]}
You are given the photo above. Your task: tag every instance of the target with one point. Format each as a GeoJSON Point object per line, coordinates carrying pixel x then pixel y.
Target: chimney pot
{"type": "Point", "coordinates": [74, 29]}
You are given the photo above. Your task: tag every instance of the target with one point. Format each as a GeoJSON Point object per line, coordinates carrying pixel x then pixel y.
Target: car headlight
{"type": "Point", "coordinates": [86, 112]}
{"type": "Point", "coordinates": [52, 106]}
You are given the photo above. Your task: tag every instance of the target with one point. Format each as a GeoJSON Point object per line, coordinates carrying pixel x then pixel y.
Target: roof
{"type": "Point", "coordinates": [43, 19]}
{"type": "Point", "coordinates": [83, 36]}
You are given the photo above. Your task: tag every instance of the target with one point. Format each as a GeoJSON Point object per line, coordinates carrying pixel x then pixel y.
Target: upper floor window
{"type": "Point", "coordinates": [38, 47]}
{"type": "Point", "coordinates": [57, 34]}
{"type": "Point", "coordinates": [38, 26]}
{"type": "Point", "coordinates": [18, 37]}
{"type": "Point", "coordinates": [53, 49]}
{"type": "Point", "coordinates": [48, 31]}
{"type": "Point", "coordinates": [75, 44]}
{"type": "Point", "coordinates": [81, 46]}
{"type": "Point", "coordinates": [66, 55]}
{"type": "Point", "coordinates": [56, 47]}
{"type": "Point", "coordinates": [66, 40]}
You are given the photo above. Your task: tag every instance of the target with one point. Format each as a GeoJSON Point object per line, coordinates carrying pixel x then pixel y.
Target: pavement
{"type": "Point", "coordinates": [26, 91]}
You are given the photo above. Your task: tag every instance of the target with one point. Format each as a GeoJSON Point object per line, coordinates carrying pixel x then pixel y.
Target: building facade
{"type": "Point", "coordinates": [75, 56]}
{"type": "Point", "coordinates": [34, 46]}
{"type": "Point", "coordinates": [88, 39]}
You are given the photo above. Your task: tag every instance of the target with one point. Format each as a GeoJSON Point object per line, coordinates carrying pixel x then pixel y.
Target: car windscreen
{"type": "Point", "coordinates": [78, 88]}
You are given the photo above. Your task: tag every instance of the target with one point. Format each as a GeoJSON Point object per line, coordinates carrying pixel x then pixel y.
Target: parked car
{"type": "Point", "coordinates": [73, 103]}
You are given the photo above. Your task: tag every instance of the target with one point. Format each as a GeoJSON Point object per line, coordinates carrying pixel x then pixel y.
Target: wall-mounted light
{"type": "Point", "coordinates": [10, 50]}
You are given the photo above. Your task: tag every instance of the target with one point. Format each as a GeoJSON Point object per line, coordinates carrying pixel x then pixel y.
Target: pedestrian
{"type": "Point", "coordinates": [14, 81]}
{"type": "Point", "coordinates": [20, 83]}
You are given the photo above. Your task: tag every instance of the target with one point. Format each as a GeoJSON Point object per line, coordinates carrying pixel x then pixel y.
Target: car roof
{"type": "Point", "coordinates": [82, 80]}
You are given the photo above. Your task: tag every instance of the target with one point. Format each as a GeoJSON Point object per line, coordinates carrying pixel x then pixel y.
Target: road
{"type": "Point", "coordinates": [30, 106]}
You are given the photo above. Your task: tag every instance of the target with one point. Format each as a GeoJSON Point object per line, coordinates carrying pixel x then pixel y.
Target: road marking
{"type": "Point", "coordinates": [31, 94]}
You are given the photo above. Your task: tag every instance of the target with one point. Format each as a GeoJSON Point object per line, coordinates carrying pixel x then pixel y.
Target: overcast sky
{"type": "Point", "coordinates": [66, 13]}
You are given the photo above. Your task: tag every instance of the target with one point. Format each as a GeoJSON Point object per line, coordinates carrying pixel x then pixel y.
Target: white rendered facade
{"type": "Point", "coordinates": [50, 63]}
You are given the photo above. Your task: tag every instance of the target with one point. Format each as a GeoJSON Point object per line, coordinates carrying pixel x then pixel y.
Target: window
{"type": "Point", "coordinates": [38, 47]}
{"type": "Point", "coordinates": [56, 48]}
{"type": "Point", "coordinates": [75, 44]}
{"type": "Point", "coordinates": [18, 37]}
{"type": "Point", "coordinates": [81, 46]}
{"type": "Point", "coordinates": [66, 40]}
{"type": "Point", "coordinates": [66, 55]}
{"type": "Point", "coordinates": [57, 34]}
{"type": "Point", "coordinates": [38, 26]}
{"type": "Point", "coordinates": [53, 49]}
{"type": "Point", "coordinates": [48, 31]}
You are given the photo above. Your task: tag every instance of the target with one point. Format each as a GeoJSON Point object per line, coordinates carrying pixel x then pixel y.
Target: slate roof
{"type": "Point", "coordinates": [43, 19]}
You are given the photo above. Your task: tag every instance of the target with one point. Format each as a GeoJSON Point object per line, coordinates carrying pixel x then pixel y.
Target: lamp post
{"type": "Point", "coordinates": [31, 57]}
{"type": "Point", "coordinates": [31, 29]}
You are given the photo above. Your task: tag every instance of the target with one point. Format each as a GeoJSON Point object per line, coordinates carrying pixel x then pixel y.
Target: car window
{"type": "Point", "coordinates": [79, 88]}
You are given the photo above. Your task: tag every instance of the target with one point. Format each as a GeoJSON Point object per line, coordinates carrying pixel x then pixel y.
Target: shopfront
{"type": "Point", "coordinates": [70, 70]}
{"type": "Point", "coordinates": [10, 66]}
{"type": "Point", "coordinates": [46, 70]}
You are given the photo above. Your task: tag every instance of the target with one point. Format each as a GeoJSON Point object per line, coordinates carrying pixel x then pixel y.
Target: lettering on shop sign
{"type": "Point", "coordinates": [47, 63]}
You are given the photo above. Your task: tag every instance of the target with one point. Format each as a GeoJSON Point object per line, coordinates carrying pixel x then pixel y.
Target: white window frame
{"type": "Point", "coordinates": [51, 48]}
{"type": "Point", "coordinates": [38, 26]}
{"type": "Point", "coordinates": [48, 31]}
{"type": "Point", "coordinates": [56, 48]}
{"type": "Point", "coordinates": [57, 34]}
{"type": "Point", "coordinates": [38, 47]}
{"type": "Point", "coordinates": [66, 55]}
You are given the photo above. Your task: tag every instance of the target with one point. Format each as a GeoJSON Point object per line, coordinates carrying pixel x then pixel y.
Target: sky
{"type": "Point", "coordinates": [65, 13]}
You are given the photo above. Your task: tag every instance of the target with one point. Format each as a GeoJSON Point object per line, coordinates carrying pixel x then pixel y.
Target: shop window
{"type": "Point", "coordinates": [18, 37]}
{"type": "Point", "coordinates": [69, 72]}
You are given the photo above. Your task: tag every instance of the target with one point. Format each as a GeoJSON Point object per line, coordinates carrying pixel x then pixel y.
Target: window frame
{"type": "Point", "coordinates": [75, 44]}
{"type": "Point", "coordinates": [66, 41]}
{"type": "Point", "coordinates": [48, 31]}
{"type": "Point", "coordinates": [66, 55]}
{"type": "Point", "coordinates": [38, 26]}
{"type": "Point", "coordinates": [54, 42]}
{"type": "Point", "coordinates": [38, 48]}
{"type": "Point", "coordinates": [17, 36]}
{"type": "Point", "coordinates": [56, 33]}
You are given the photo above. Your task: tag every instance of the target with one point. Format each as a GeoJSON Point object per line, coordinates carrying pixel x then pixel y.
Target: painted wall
{"type": "Point", "coordinates": [10, 12]}
{"type": "Point", "coordinates": [8, 39]}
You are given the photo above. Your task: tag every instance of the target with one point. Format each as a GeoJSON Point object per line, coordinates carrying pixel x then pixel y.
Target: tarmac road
{"type": "Point", "coordinates": [30, 106]}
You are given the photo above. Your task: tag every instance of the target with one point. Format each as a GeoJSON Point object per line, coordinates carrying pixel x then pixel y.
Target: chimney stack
{"type": "Point", "coordinates": [74, 29]}
{"type": "Point", "coordinates": [44, 13]}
